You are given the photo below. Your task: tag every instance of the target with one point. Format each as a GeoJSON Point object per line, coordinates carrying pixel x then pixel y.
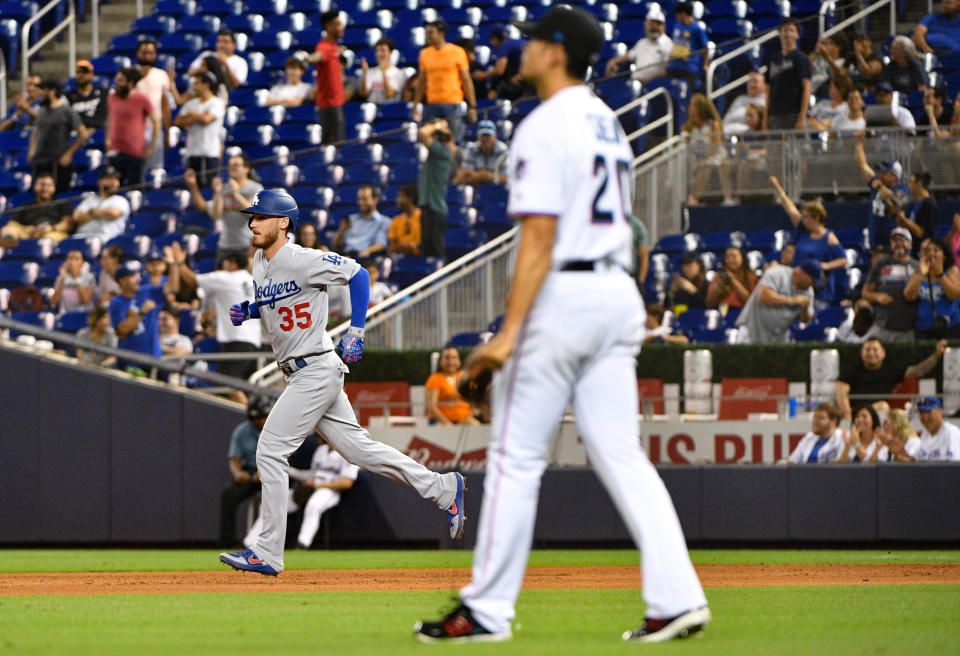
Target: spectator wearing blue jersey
{"type": "Point", "coordinates": [940, 32]}
{"type": "Point", "coordinates": [134, 312]}
{"type": "Point", "coordinates": [788, 80]}
{"type": "Point", "coordinates": [504, 78]}
{"type": "Point", "coordinates": [23, 111]}
{"type": "Point", "coordinates": [886, 191]}
{"type": "Point", "coordinates": [364, 233]}
{"type": "Point", "coordinates": [935, 285]}
{"type": "Point", "coordinates": [689, 58]}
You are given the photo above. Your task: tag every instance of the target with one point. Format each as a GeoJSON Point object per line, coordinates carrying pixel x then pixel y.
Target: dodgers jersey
{"type": "Point", "coordinates": [291, 290]}
{"type": "Point", "coordinates": [327, 466]}
{"type": "Point", "coordinates": [570, 159]}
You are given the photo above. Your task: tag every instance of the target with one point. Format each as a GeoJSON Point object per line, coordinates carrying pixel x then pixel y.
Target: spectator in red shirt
{"type": "Point", "coordinates": [129, 112]}
{"type": "Point", "coordinates": [329, 80]}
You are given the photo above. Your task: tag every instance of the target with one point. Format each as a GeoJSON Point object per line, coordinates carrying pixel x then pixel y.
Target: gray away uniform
{"type": "Point", "coordinates": [291, 292]}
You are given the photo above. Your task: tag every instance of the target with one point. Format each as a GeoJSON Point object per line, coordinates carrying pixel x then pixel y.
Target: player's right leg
{"type": "Point", "coordinates": [606, 405]}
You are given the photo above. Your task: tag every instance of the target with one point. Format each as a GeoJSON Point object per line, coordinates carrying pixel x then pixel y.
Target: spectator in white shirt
{"type": "Point", "coordinates": [384, 83]}
{"type": "Point", "coordinates": [824, 443]}
{"type": "Point", "coordinates": [939, 440]}
{"type": "Point", "coordinates": [102, 215]}
{"type": "Point", "coordinates": [902, 115]}
{"type": "Point", "coordinates": [295, 92]}
{"type": "Point", "coordinates": [854, 121]}
{"type": "Point", "coordinates": [202, 118]}
{"type": "Point", "coordinates": [898, 436]}
{"type": "Point", "coordinates": [826, 111]}
{"type": "Point", "coordinates": [235, 66]}
{"type": "Point", "coordinates": [74, 287]}
{"type": "Point", "coordinates": [735, 120]}
{"type": "Point", "coordinates": [651, 53]}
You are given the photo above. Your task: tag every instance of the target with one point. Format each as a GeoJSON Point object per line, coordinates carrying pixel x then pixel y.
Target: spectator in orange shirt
{"type": "Point", "coordinates": [404, 234]}
{"type": "Point", "coordinates": [444, 81]}
{"type": "Point", "coordinates": [444, 403]}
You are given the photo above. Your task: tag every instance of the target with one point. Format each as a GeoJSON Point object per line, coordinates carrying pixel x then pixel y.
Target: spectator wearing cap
{"type": "Point", "coordinates": [788, 80]}
{"type": "Point", "coordinates": [23, 111]}
{"type": "Point", "coordinates": [154, 84]}
{"type": "Point", "coordinates": [202, 118]}
{"type": "Point", "coordinates": [689, 58]}
{"type": "Point", "coordinates": [235, 67]}
{"type": "Point", "coordinates": [228, 199]}
{"type": "Point", "coordinates": [904, 72]}
{"type": "Point", "coordinates": [37, 218]}
{"type": "Point", "coordinates": [134, 312]}
{"type": "Point", "coordinates": [651, 54]}
{"type": "Point", "coordinates": [103, 215]}
{"type": "Point", "coordinates": [329, 79]}
{"type": "Point", "coordinates": [404, 234]}
{"type": "Point", "coordinates": [873, 378]}
{"type": "Point", "coordinates": [886, 191]}
{"type": "Point", "coordinates": [782, 295]}
{"type": "Point", "coordinates": [902, 117]}
{"type": "Point", "coordinates": [481, 159]}
{"type": "Point", "coordinates": [921, 216]}
{"type": "Point", "coordinates": [443, 81]}
{"type": "Point", "coordinates": [939, 439]}
{"type": "Point", "coordinates": [89, 101]}
{"type": "Point", "coordinates": [383, 83]}
{"type": "Point", "coordinates": [735, 120]}
{"type": "Point", "coordinates": [363, 233]}
{"type": "Point", "coordinates": [894, 315]}
{"type": "Point", "coordinates": [432, 183]}
{"type": "Point", "coordinates": [504, 78]}
{"type": "Point", "coordinates": [294, 92]}
{"type": "Point", "coordinates": [130, 114]}
{"type": "Point", "coordinates": [935, 285]}
{"type": "Point", "coordinates": [940, 32]}
{"type": "Point", "coordinates": [242, 460]}
{"type": "Point", "coordinates": [51, 150]}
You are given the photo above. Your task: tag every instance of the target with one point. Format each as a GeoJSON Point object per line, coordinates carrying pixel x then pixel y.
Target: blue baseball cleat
{"type": "Point", "coordinates": [455, 512]}
{"type": "Point", "coordinates": [247, 561]}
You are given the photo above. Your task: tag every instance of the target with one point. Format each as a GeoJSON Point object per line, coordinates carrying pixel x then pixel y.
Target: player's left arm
{"type": "Point", "coordinates": [534, 259]}
{"type": "Point", "coordinates": [924, 367]}
{"type": "Point", "coordinates": [350, 347]}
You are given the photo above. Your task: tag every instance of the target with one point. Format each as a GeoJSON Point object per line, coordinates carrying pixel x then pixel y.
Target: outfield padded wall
{"type": "Point", "coordinates": [88, 458]}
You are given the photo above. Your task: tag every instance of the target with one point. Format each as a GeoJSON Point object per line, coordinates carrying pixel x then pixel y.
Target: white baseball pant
{"type": "Point", "coordinates": [319, 502]}
{"type": "Point", "coordinates": [314, 399]}
{"type": "Point", "coordinates": [580, 341]}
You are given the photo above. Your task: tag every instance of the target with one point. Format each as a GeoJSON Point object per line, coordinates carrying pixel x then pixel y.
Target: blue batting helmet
{"type": "Point", "coordinates": [274, 202]}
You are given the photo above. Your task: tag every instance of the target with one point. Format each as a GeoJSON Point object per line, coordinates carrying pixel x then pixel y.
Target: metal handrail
{"type": "Point", "coordinates": [69, 23]}
{"type": "Point", "coordinates": [95, 28]}
{"type": "Point", "coordinates": [863, 13]}
{"type": "Point", "coordinates": [3, 82]}
{"type": "Point", "coordinates": [650, 127]}
{"type": "Point", "coordinates": [825, 7]}
{"type": "Point", "coordinates": [642, 159]}
{"type": "Point", "coordinates": [730, 86]}
{"type": "Point", "coordinates": [387, 308]}
{"type": "Point", "coordinates": [736, 52]}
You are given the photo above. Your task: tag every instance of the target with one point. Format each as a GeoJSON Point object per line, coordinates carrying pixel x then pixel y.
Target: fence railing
{"type": "Point", "coordinates": [642, 101]}
{"type": "Point", "coordinates": [69, 23]}
{"type": "Point", "coordinates": [661, 187]}
{"type": "Point", "coordinates": [3, 81]}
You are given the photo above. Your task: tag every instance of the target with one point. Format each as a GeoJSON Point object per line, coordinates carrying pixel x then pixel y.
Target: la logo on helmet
{"type": "Point", "coordinates": [256, 199]}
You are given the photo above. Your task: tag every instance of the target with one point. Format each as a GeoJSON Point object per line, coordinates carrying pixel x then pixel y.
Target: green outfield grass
{"type": "Point", "coordinates": [915, 620]}
{"type": "Point", "coordinates": [132, 560]}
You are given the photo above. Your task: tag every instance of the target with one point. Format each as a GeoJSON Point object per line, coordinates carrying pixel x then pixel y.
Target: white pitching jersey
{"type": "Point", "coordinates": [328, 466]}
{"type": "Point", "coordinates": [291, 290]}
{"type": "Point", "coordinates": [570, 159]}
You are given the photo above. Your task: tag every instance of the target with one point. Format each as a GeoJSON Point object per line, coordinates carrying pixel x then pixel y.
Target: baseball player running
{"type": "Point", "coordinates": [290, 285]}
{"type": "Point", "coordinates": [573, 326]}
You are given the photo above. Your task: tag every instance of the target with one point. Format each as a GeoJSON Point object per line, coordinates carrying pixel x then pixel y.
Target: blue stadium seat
{"type": "Point", "coordinates": [769, 8]}
{"type": "Point", "coordinates": [203, 25]}
{"type": "Point", "coordinates": [14, 274]}
{"type": "Point", "coordinates": [152, 25]}
{"type": "Point", "coordinates": [166, 199]}
{"type": "Point", "coordinates": [851, 237]}
{"type": "Point", "coordinates": [75, 244]}
{"type": "Point", "coordinates": [220, 8]}
{"type": "Point", "coordinates": [716, 241]}
{"type": "Point", "coordinates": [108, 65]}
{"type": "Point", "coordinates": [692, 319]}
{"type": "Point", "coordinates": [180, 44]}
{"type": "Point", "coordinates": [411, 268]}
{"type": "Point", "coordinates": [305, 113]}
{"type": "Point", "coordinates": [124, 44]}
{"type": "Point", "coordinates": [832, 317]}
{"type": "Point", "coordinates": [207, 264]}
{"type": "Point", "coordinates": [152, 224]}
{"type": "Point", "coordinates": [71, 322]}
{"type": "Point", "coordinates": [494, 228]}
{"type": "Point", "coordinates": [172, 8]}
{"type": "Point", "coordinates": [353, 154]}
{"type": "Point", "coordinates": [362, 174]}
{"type": "Point", "coordinates": [709, 335]}
{"type": "Point", "coordinates": [276, 175]}
{"type": "Point", "coordinates": [812, 332]}
{"type": "Point", "coordinates": [136, 246]}
{"type": "Point", "coordinates": [49, 272]}
{"type": "Point", "coordinates": [12, 182]}
{"type": "Point", "coordinates": [317, 175]}
{"type": "Point", "coordinates": [31, 250]}
{"type": "Point", "coordinates": [465, 339]}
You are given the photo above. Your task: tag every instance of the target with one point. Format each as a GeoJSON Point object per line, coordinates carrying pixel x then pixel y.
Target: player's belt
{"type": "Point", "coordinates": [589, 265]}
{"type": "Point", "coordinates": [291, 365]}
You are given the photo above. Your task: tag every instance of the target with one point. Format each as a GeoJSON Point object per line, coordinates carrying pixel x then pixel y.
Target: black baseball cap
{"type": "Point", "coordinates": [576, 30]}
{"type": "Point", "coordinates": [439, 23]}
{"type": "Point", "coordinates": [51, 83]}
{"type": "Point", "coordinates": [108, 172]}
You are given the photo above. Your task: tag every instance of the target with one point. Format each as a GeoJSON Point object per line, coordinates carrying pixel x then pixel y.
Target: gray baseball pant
{"type": "Point", "coordinates": [314, 399]}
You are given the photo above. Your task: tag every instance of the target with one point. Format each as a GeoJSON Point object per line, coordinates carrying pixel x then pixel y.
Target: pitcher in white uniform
{"type": "Point", "coordinates": [573, 327]}
{"type": "Point", "coordinates": [290, 299]}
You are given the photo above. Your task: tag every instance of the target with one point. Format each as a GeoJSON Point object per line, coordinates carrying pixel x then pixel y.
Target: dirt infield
{"type": "Point", "coordinates": [713, 576]}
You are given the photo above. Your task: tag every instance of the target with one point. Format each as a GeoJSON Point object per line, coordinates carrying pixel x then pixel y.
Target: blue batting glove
{"type": "Point", "coordinates": [350, 348]}
{"type": "Point", "coordinates": [239, 313]}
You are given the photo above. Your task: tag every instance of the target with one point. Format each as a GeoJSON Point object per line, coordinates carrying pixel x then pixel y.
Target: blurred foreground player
{"type": "Point", "coordinates": [572, 330]}
{"type": "Point", "coordinates": [290, 299]}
